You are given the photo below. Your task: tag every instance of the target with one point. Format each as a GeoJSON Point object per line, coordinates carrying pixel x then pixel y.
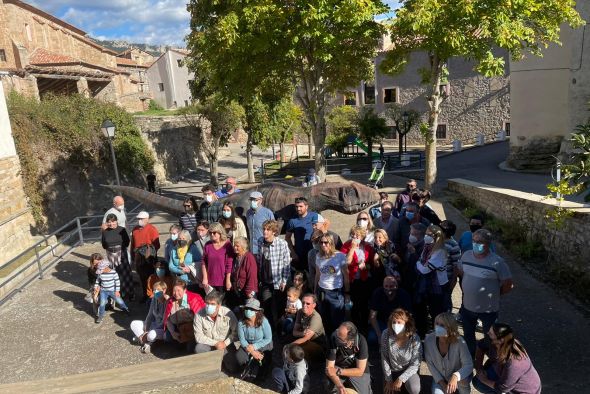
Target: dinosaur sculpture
{"type": "Point", "coordinates": [345, 197]}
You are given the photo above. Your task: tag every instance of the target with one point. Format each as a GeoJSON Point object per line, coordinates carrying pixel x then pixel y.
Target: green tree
{"type": "Point", "coordinates": [403, 120]}
{"type": "Point", "coordinates": [286, 119]}
{"type": "Point", "coordinates": [342, 123]}
{"type": "Point", "coordinates": [470, 29]}
{"type": "Point", "coordinates": [577, 169]}
{"type": "Point", "coordinates": [371, 128]}
{"type": "Point", "coordinates": [321, 46]}
{"type": "Point", "coordinates": [258, 129]}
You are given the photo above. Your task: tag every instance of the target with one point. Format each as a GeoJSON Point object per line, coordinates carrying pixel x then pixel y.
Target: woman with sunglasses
{"type": "Point", "coordinates": [331, 283]}
{"type": "Point", "coordinates": [218, 256]}
{"type": "Point", "coordinates": [188, 220]}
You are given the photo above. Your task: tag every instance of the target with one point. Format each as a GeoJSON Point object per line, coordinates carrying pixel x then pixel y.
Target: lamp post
{"type": "Point", "coordinates": [406, 118]}
{"type": "Point", "coordinates": [108, 130]}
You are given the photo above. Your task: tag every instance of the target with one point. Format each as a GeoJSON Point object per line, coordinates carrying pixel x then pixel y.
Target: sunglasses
{"type": "Point", "coordinates": [213, 232]}
{"type": "Point", "coordinates": [325, 242]}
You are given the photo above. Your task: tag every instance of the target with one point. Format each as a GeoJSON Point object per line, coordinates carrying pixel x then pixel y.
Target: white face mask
{"type": "Point", "coordinates": [120, 207]}
{"type": "Point", "coordinates": [398, 328]}
{"type": "Point", "coordinates": [209, 198]}
{"type": "Point", "coordinates": [362, 223]}
{"type": "Point", "coordinates": [428, 239]}
{"type": "Point", "coordinates": [141, 222]}
{"type": "Point", "coordinates": [412, 239]}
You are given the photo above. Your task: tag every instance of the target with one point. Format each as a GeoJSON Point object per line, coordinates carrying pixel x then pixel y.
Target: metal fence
{"type": "Point", "coordinates": [393, 161]}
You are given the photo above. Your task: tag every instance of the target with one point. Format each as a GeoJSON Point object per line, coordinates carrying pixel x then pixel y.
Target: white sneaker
{"type": "Point", "coordinates": [146, 348]}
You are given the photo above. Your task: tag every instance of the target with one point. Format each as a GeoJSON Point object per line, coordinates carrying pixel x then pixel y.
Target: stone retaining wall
{"type": "Point", "coordinates": [528, 210]}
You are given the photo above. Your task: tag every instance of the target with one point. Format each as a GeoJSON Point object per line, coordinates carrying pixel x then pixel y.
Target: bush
{"type": "Point", "coordinates": [154, 106]}
{"type": "Point", "coordinates": [68, 127]}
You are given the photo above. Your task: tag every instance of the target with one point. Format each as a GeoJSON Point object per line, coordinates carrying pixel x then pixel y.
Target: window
{"type": "Point", "coordinates": [507, 128]}
{"type": "Point", "coordinates": [179, 62]}
{"type": "Point", "coordinates": [2, 55]}
{"type": "Point", "coordinates": [390, 95]}
{"type": "Point", "coordinates": [369, 94]}
{"type": "Point", "coordinates": [28, 31]}
{"type": "Point", "coordinates": [392, 133]}
{"type": "Point", "coordinates": [441, 132]}
{"type": "Point", "coordinates": [349, 98]}
{"type": "Point", "coordinates": [161, 87]}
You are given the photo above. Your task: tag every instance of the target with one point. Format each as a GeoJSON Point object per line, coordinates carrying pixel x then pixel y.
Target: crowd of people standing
{"type": "Point", "coordinates": [234, 284]}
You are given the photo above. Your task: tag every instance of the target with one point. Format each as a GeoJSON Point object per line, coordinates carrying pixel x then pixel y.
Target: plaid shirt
{"type": "Point", "coordinates": [280, 261]}
{"type": "Point", "coordinates": [210, 213]}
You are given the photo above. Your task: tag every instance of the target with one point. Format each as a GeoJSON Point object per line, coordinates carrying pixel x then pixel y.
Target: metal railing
{"type": "Point", "coordinates": [393, 161]}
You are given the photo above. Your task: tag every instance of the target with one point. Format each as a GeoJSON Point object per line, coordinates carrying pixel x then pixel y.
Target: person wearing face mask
{"type": "Point", "coordinates": [145, 242]}
{"type": "Point", "coordinates": [152, 328]}
{"type": "Point", "coordinates": [182, 257]}
{"type": "Point", "coordinates": [447, 357]}
{"type": "Point", "coordinates": [118, 210]}
{"type": "Point", "coordinates": [174, 230]}
{"type": "Point", "coordinates": [347, 361]}
{"type": "Point", "coordinates": [179, 314]}
{"type": "Point", "coordinates": [233, 224]}
{"type": "Point", "coordinates": [466, 241]}
{"type": "Point", "coordinates": [484, 278]}
{"type": "Point", "coordinates": [255, 336]}
{"type": "Point", "coordinates": [255, 218]}
{"type": "Point", "coordinates": [211, 207]}
{"type": "Point", "coordinates": [411, 216]}
{"type": "Point", "coordinates": [375, 211]}
{"type": "Point", "coordinates": [363, 219]}
{"type": "Point", "coordinates": [215, 328]}
{"type": "Point", "coordinates": [162, 274]}
{"type": "Point", "coordinates": [384, 301]}
{"type": "Point", "coordinates": [188, 220]}
{"type": "Point", "coordinates": [412, 255]}
{"type": "Point", "coordinates": [401, 351]}
{"type": "Point", "coordinates": [405, 197]}
{"type": "Point", "coordinates": [432, 285]}
{"type": "Point", "coordinates": [387, 221]}
{"type": "Point", "coordinates": [229, 189]}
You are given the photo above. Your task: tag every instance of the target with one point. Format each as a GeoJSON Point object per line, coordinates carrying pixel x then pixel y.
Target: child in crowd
{"type": "Point", "coordinates": [107, 285]}
{"type": "Point", "coordinates": [146, 332]}
{"type": "Point", "coordinates": [95, 258]}
{"type": "Point", "coordinates": [293, 305]}
{"type": "Point", "coordinates": [293, 377]}
{"type": "Point", "coordinates": [162, 274]}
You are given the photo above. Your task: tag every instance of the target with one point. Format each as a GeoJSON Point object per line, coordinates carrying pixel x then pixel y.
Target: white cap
{"type": "Point", "coordinates": [319, 219]}
{"type": "Point", "coordinates": [143, 215]}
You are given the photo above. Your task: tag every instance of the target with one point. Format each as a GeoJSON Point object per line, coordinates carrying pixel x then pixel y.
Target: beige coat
{"type": "Point", "coordinates": [209, 332]}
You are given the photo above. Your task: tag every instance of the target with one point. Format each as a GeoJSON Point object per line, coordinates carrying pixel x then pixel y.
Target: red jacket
{"type": "Point", "coordinates": [354, 266]}
{"type": "Point", "coordinates": [147, 235]}
{"type": "Point", "coordinates": [246, 276]}
{"type": "Point", "coordinates": [195, 302]}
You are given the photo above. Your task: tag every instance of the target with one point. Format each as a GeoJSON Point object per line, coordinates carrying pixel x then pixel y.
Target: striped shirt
{"type": "Point", "coordinates": [108, 281]}
{"type": "Point", "coordinates": [188, 221]}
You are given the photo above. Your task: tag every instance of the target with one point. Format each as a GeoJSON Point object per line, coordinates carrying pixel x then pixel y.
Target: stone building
{"type": "Point", "coordinates": [169, 79]}
{"type": "Point", "coordinates": [474, 105]}
{"type": "Point", "coordinates": [550, 95]}
{"type": "Point", "coordinates": [43, 54]}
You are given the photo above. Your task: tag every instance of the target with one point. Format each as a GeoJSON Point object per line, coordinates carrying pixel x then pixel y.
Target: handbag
{"type": "Point", "coordinates": [251, 371]}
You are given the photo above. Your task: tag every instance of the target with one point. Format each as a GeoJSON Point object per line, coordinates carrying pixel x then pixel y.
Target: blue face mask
{"type": "Point", "coordinates": [210, 309]}
{"type": "Point", "coordinates": [160, 272]}
{"type": "Point", "coordinates": [226, 214]}
{"type": "Point", "coordinates": [249, 313]}
{"type": "Point", "coordinates": [174, 237]}
{"type": "Point", "coordinates": [440, 331]}
{"type": "Point", "coordinates": [158, 294]}
{"type": "Point", "coordinates": [410, 215]}
{"type": "Point", "coordinates": [478, 248]}
{"type": "Point", "coordinates": [254, 204]}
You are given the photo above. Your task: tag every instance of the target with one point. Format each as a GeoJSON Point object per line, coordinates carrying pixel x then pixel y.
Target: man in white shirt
{"type": "Point", "coordinates": [118, 210]}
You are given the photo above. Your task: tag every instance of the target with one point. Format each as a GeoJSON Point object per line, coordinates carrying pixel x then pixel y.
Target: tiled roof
{"type": "Point", "coordinates": [42, 57]}
{"type": "Point", "coordinates": [122, 61]}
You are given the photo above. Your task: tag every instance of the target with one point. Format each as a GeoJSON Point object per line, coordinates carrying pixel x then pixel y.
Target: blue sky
{"type": "Point", "coordinates": [140, 21]}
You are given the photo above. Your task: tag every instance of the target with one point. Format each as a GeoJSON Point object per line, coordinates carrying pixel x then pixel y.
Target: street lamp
{"type": "Point", "coordinates": [406, 119]}
{"type": "Point", "coordinates": [108, 130]}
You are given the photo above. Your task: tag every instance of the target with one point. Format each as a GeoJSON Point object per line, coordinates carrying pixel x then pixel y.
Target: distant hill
{"type": "Point", "coordinates": [120, 46]}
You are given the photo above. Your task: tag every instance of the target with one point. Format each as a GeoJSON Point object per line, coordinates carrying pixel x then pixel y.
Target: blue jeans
{"type": "Point", "coordinates": [484, 388]}
{"type": "Point", "coordinates": [104, 298]}
{"type": "Point", "coordinates": [332, 308]}
{"type": "Point", "coordinates": [461, 388]}
{"type": "Point", "coordinates": [469, 320]}
{"type": "Point", "coordinates": [288, 323]}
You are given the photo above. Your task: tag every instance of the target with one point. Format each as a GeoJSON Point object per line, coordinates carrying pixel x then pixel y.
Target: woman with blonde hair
{"type": "Point", "coordinates": [433, 281]}
{"type": "Point", "coordinates": [401, 351]}
{"type": "Point", "coordinates": [218, 256]}
{"type": "Point", "coordinates": [363, 219]}
{"type": "Point", "coordinates": [331, 282]}
{"type": "Point", "coordinates": [182, 256]}
{"type": "Point", "coordinates": [386, 260]}
{"type": "Point", "coordinates": [448, 357]}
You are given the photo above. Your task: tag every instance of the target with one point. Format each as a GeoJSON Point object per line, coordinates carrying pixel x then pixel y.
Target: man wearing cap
{"type": "Point", "coordinates": [229, 189]}
{"type": "Point", "coordinates": [118, 210]}
{"type": "Point", "coordinates": [256, 215]}
{"type": "Point", "coordinates": [311, 178]}
{"type": "Point", "coordinates": [145, 242]}
{"type": "Point", "coordinates": [299, 230]}
{"type": "Point", "coordinates": [322, 224]}
{"type": "Point", "coordinates": [210, 210]}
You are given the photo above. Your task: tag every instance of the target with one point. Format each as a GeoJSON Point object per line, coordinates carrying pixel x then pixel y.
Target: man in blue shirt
{"type": "Point", "coordinates": [299, 230]}
{"type": "Point", "coordinates": [255, 217]}
{"type": "Point", "coordinates": [229, 189]}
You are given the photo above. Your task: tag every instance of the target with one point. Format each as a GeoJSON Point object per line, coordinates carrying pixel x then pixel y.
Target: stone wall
{"type": "Point", "coordinates": [528, 210]}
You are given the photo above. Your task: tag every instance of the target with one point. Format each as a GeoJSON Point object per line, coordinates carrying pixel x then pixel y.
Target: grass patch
{"type": "Point", "coordinates": [5, 271]}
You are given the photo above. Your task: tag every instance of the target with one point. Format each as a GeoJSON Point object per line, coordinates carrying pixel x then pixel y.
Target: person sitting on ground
{"type": "Point", "coordinates": [466, 241]}
{"type": "Point", "coordinates": [363, 219]}
{"type": "Point", "coordinates": [115, 242]}
{"type": "Point", "coordinates": [162, 274]}
{"type": "Point", "coordinates": [229, 189]}
{"type": "Point", "coordinates": [385, 300]}
{"type": "Point", "coordinates": [375, 211]}
{"type": "Point", "coordinates": [233, 224]}
{"type": "Point", "coordinates": [401, 351]}
{"type": "Point", "coordinates": [107, 285]}
{"type": "Point", "coordinates": [347, 361]}
{"type": "Point", "coordinates": [244, 276]}
{"type": "Point", "coordinates": [95, 259]}
{"type": "Point", "coordinates": [255, 337]}
{"type": "Point", "coordinates": [308, 329]}
{"type": "Point", "coordinates": [182, 260]}
{"type": "Point", "coordinates": [188, 220]}
{"type": "Point", "coordinates": [215, 328]}
{"type": "Point", "coordinates": [210, 209]}
{"type": "Point", "coordinates": [387, 221]}
{"type": "Point", "coordinates": [180, 312]}
{"type": "Point", "coordinates": [293, 377]}
{"type": "Point", "coordinates": [509, 368]}
{"type": "Point", "coordinates": [421, 198]}
{"type": "Point", "coordinates": [404, 197]}
{"type": "Point", "coordinates": [447, 357]}
{"type": "Point", "coordinates": [311, 178]}
{"type": "Point", "coordinates": [293, 305]}
{"type": "Point", "coordinates": [145, 242]}
{"type": "Point", "coordinates": [322, 224]}
{"type": "Point", "coordinates": [152, 328]}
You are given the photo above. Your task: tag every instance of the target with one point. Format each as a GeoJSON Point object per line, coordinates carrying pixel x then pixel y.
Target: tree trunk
{"type": "Point", "coordinates": [434, 103]}
{"type": "Point", "coordinates": [213, 164]}
{"type": "Point", "coordinates": [370, 151]}
{"type": "Point", "coordinates": [249, 160]}
{"type": "Point", "coordinates": [283, 153]}
{"type": "Point", "coordinates": [400, 143]}
{"type": "Point", "coordinates": [309, 153]}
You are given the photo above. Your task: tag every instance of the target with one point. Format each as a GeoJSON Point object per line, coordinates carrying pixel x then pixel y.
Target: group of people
{"type": "Point", "coordinates": [232, 283]}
